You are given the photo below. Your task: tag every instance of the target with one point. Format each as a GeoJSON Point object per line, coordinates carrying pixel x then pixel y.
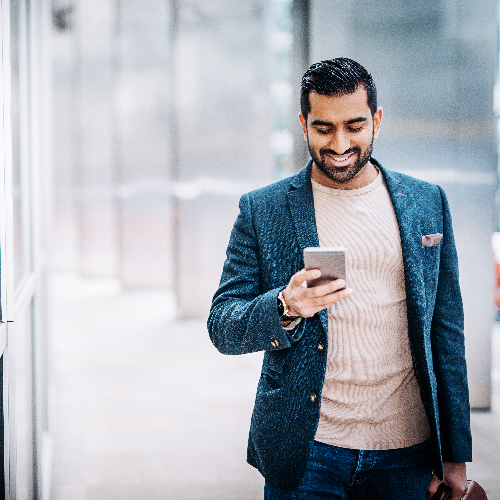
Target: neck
{"type": "Point", "coordinates": [364, 177]}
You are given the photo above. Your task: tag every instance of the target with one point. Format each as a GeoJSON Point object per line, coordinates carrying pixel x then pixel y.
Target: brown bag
{"type": "Point", "coordinates": [475, 491]}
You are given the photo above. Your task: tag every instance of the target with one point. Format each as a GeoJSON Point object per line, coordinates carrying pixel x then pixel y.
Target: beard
{"type": "Point", "coordinates": [341, 174]}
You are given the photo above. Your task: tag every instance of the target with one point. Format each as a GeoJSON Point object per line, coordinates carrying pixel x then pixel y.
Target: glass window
{"type": "Point", "coordinates": [21, 348]}
{"type": "Point", "coordinates": [19, 137]}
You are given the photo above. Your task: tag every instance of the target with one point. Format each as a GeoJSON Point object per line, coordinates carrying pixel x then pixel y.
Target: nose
{"type": "Point", "coordinates": [340, 142]}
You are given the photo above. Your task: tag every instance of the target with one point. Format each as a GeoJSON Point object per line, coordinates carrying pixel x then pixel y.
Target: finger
{"type": "Point", "coordinates": [458, 492]}
{"type": "Point", "coordinates": [332, 298]}
{"type": "Point", "coordinates": [434, 484]}
{"type": "Point", "coordinates": [320, 303]}
{"type": "Point", "coordinates": [465, 490]}
{"type": "Point", "coordinates": [327, 289]}
{"type": "Point", "coordinates": [301, 276]}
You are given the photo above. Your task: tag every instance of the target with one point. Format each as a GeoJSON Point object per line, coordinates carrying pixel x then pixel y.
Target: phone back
{"type": "Point", "coordinates": [331, 261]}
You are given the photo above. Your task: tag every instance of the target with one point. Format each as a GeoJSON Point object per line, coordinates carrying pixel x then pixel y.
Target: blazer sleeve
{"type": "Point", "coordinates": [244, 318]}
{"type": "Point", "coordinates": [447, 334]}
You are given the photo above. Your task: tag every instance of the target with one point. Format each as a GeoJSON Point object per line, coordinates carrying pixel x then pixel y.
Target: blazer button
{"type": "Point", "coordinates": [321, 346]}
{"type": "Point", "coordinates": [313, 397]}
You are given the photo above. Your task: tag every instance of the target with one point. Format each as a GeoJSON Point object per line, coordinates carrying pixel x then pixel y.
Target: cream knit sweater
{"type": "Point", "coordinates": [371, 399]}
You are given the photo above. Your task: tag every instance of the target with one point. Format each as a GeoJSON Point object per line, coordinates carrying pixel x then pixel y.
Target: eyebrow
{"type": "Point", "coordinates": [356, 120]}
{"type": "Point", "coordinates": [322, 122]}
{"type": "Point", "coordinates": [348, 122]}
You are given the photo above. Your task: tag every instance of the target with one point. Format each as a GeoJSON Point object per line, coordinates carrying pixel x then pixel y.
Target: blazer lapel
{"type": "Point", "coordinates": [301, 204]}
{"type": "Point", "coordinates": [411, 241]}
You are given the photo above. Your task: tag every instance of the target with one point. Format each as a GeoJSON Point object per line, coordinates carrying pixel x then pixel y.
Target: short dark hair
{"type": "Point", "coordinates": [336, 77]}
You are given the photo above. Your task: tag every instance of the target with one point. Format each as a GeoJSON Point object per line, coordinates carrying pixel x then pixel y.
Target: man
{"type": "Point", "coordinates": [363, 391]}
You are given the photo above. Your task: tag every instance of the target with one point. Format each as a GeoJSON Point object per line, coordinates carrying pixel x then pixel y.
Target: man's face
{"type": "Point", "coordinates": [339, 131]}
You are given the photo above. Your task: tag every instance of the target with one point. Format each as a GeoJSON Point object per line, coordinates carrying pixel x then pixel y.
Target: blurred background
{"type": "Point", "coordinates": [129, 131]}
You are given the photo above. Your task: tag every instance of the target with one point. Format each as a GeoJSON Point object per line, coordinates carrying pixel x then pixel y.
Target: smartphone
{"type": "Point", "coordinates": [331, 261]}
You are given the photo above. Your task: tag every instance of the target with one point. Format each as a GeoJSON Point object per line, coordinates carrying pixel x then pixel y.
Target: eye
{"type": "Point", "coordinates": [323, 131]}
{"type": "Point", "coordinates": [355, 129]}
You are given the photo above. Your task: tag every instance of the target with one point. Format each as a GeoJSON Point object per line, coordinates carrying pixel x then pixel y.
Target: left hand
{"type": "Point", "coordinates": [455, 477]}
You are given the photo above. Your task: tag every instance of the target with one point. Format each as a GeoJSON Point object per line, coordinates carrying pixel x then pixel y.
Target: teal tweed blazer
{"type": "Point", "coordinates": [273, 227]}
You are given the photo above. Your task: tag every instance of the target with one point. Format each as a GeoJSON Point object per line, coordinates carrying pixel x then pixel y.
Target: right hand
{"type": "Point", "coordinates": [306, 301]}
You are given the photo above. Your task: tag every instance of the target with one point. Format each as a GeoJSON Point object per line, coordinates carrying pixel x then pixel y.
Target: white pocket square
{"type": "Point", "coordinates": [430, 240]}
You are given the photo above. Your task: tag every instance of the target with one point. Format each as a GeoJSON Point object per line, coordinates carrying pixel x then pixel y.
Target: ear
{"type": "Point", "coordinates": [303, 121]}
{"type": "Point", "coordinates": [377, 118]}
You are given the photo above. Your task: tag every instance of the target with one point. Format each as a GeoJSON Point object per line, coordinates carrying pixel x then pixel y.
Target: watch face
{"type": "Point", "coordinates": [281, 307]}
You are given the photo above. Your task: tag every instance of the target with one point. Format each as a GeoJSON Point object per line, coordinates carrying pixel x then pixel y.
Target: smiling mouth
{"type": "Point", "coordinates": [340, 160]}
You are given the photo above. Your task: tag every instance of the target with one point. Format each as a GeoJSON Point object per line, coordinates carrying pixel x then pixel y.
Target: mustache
{"type": "Point", "coordinates": [327, 151]}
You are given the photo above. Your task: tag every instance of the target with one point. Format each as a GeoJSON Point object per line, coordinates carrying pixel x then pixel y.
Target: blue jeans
{"type": "Point", "coordinates": [338, 473]}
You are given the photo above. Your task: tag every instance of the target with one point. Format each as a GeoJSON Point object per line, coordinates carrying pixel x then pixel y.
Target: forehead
{"type": "Point", "coordinates": [339, 108]}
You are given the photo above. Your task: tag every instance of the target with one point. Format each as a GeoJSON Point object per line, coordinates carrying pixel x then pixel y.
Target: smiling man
{"type": "Point", "coordinates": [363, 392]}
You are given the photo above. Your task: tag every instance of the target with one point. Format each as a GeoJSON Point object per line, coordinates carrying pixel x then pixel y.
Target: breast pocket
{"type": "Point", "coordinates": [431, 254]}
{"type": "Point", "coordinates": [430, 249]}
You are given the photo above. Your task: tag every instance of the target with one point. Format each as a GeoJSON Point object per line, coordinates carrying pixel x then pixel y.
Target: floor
{"type": "Point", "coordinates": [143, 406]}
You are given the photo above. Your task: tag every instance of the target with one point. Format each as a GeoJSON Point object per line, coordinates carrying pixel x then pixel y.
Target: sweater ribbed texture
{"type": "Point", "coordinates": [371, 399]}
